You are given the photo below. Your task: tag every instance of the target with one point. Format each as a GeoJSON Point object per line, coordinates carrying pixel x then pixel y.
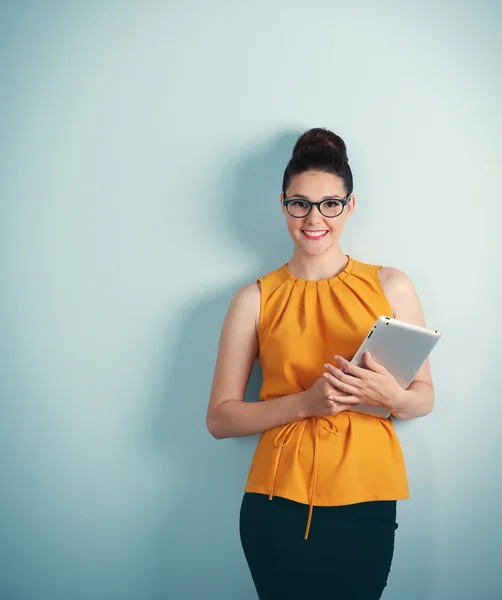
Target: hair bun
{"type": "Point", "coordinates": [320, 138]}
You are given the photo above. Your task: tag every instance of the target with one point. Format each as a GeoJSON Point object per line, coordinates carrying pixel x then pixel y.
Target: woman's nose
{"type": "Point", "coordinates": [315, 215]}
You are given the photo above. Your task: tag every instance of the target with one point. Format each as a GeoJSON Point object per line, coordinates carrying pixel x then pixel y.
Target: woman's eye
{"type": "Point", "coordinates": [299, 204]}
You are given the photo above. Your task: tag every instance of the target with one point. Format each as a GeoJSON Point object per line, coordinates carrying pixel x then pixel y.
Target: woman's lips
{"type": "Point", "coordinates": [315, 235]}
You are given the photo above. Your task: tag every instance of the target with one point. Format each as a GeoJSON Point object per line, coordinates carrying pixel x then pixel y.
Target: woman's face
{"type": "Point", "coordinates": [315, 234]}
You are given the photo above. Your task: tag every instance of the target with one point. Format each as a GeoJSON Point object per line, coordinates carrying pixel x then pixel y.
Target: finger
{"type": "Point", "coordinates": [342, 376]}
{"type": "Point", "coordinates": [339, 385]}
{"type": "Point", "coordinates": [344, 400]}
{"type": "Point", "coordinates": [372, 364]}
{"type": "Point", "coordinates": [350, 368]}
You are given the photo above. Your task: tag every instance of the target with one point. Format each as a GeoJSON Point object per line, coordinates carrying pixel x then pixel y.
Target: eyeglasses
{"type": "Point", "coordinates": [300, 208]}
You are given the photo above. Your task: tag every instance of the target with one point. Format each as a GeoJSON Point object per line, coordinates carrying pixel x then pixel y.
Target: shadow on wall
{"type": "Point", "coordinates": [196, 550]}
{"type": "Point", "coordinates": [196, 547]}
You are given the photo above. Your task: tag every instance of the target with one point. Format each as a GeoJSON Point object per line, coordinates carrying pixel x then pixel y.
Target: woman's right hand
{"type": "Point", "coordinates": [316, 403]}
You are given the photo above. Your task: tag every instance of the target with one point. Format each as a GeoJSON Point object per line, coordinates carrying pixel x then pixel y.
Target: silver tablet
{"type": "Point", "coordinates": [401, 348]}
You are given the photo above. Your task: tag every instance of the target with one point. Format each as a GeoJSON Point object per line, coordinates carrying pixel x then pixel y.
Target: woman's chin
{"type": "Point", "coordinates": [316, 247]}
{"type": "Point", "coordinates": [316, 250]}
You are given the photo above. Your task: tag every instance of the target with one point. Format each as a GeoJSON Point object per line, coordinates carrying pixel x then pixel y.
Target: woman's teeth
{"type": "Point", "coordinates": [314, 235]}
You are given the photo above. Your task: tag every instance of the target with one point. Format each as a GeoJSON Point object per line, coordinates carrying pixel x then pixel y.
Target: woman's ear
{"type": "Point", "coordinates": [351, 205]}
{"type": "Point", "coordinates": [282, 205]}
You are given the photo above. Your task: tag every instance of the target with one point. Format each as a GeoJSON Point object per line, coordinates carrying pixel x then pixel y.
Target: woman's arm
{"type": "Point", "coordinates": [418, 399]}
{"type": "Point", "coordinates": [228, 415]}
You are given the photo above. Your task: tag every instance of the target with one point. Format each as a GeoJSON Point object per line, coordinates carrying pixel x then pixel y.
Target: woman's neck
{"type": "Point", "coordinates": [317, 268]}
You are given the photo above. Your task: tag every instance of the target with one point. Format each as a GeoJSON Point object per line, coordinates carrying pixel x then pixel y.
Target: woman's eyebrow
{"type": "Point", "coordinates": [329, 197]}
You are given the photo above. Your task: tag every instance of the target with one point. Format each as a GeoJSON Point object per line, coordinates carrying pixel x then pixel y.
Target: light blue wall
{"type": "Point", "coordinates": [142, 151]}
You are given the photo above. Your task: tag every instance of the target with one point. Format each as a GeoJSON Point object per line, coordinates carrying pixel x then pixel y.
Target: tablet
{"type": "Point", "coordinates": [401, 348]}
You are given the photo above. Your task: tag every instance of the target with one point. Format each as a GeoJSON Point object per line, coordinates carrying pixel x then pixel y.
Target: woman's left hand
{"type": "Point", "coordinates": [372, 385]}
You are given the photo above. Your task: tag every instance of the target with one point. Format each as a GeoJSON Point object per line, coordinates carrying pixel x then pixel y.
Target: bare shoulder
{"type": "Point", "coordinates": [248, 293]}
{"type": "Point", "coordinates": [391, 278]}
{"type": "Point", "coordinates": [401, 295]}
{"type": "Point", "coordinates": [245, 305]}
{"type": "Point", "coordinates": [247, 298]}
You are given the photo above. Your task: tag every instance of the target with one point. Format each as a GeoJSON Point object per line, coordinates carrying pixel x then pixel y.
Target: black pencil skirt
{"type": "Point", "coordinates": [347, 555]}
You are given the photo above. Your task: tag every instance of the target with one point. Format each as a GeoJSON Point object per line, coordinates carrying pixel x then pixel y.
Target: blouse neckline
{"type": "Point", "coordinates": [331, 280]}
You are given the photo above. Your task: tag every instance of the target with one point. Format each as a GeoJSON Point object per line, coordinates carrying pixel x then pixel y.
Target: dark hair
{"type": "Point", "coordinates": [319, 149]}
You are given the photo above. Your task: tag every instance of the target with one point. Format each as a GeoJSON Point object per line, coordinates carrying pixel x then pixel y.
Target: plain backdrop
{"type": "Point", "coordinates": [142, 153]}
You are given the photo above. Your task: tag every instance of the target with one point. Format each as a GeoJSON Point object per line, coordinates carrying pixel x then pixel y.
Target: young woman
{"type": "Point", "coordinates": [304, 321]}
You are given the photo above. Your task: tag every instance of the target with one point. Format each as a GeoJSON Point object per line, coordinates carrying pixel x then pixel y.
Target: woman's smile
{"type": "Point", "coordinates": [315, 234]}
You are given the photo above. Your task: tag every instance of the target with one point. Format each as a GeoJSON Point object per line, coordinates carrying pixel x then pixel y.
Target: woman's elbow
{"type": "Point", "coordinates": [212, 427]}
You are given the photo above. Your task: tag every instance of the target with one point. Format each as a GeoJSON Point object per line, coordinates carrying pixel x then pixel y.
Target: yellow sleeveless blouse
{"type": "Point", "coordinates": [323, 461]}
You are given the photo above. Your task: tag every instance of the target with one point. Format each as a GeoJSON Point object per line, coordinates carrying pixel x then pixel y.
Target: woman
{"type": "Point", "coordinates": [305, 321]}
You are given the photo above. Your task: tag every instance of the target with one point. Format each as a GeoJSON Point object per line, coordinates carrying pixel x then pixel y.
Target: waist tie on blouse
{"type": "Point", "coordinates": [283, 438]}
